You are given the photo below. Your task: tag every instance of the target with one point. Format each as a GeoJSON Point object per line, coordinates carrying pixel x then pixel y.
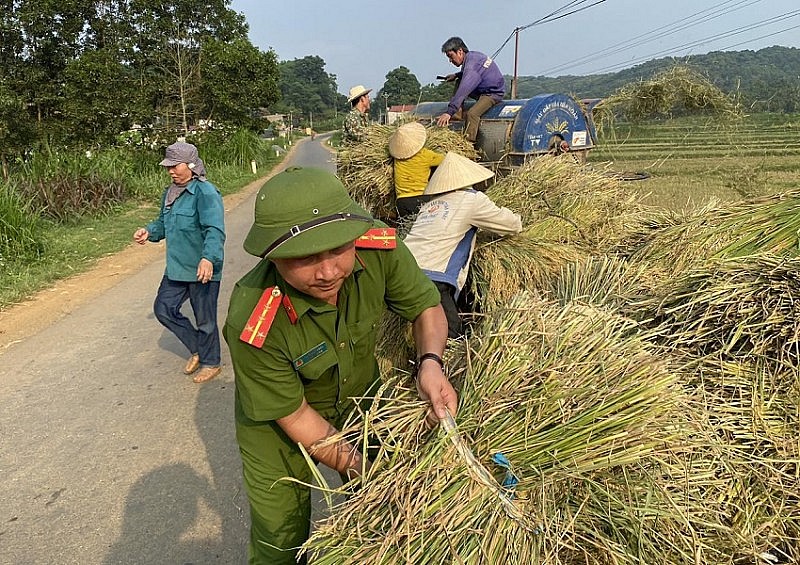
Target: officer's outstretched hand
{"type": "Point", "coordinates": [433, 386]}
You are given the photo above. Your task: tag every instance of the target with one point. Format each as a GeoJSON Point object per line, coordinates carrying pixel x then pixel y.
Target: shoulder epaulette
{"type": "Point", "coordinates": [257, 327]}
{"type": "Point", "coordinates": [378, 238]}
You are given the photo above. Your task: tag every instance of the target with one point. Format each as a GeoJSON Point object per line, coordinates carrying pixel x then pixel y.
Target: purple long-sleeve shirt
{"type": "Point", "coordinates": [477, 79]}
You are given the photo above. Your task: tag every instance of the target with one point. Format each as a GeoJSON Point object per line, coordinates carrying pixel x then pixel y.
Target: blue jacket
{"type": "Point", "coordinates": [476, 78]}
{"type": "Point", "coordinates": [194, 228]}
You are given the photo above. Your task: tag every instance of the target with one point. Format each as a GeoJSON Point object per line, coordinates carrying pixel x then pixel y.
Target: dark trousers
{"type": "Point", "coordinates": [455, 327]}
{"type": "Point", "coordinates": [409, 205]}
{"type": "Point", "coordinates": [204, 339]}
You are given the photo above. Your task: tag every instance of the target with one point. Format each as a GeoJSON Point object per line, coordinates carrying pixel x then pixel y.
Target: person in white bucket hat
{"type": "Point", "coordinates": [442, 238]}
{"type": "Point", "coordinates": [356, 121]}
{"type": "Point", "coordinates": [412, 166]}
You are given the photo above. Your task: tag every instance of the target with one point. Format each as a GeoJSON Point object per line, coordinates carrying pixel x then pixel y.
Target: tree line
{"type": "Point", "coordinates": [76, 73]}
{"type": "Point", "coordinates": [767, 80]}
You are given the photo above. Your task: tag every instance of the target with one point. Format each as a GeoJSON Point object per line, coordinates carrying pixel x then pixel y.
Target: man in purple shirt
{"type": "Point", "coordinates": [479, 78]}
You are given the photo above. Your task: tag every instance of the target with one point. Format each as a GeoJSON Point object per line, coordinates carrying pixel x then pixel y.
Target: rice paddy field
{"type": "Point", "coordinates": [630, 382]}
{"type": "Point", "coordinates": [695, 160]}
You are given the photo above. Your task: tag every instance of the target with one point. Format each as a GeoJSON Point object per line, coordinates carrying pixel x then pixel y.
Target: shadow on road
{"type": "Point", "coordinates": [177, 514]}
{"type": "Point", "coordinates": [160, 510]}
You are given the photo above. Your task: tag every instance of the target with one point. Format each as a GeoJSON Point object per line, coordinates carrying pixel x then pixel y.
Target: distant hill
{"type": "Point", "coordinates": [764, 80]}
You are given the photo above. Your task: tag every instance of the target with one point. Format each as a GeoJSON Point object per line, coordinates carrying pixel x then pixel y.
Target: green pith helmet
{"type": "Point", "coordinates": [303, 211]}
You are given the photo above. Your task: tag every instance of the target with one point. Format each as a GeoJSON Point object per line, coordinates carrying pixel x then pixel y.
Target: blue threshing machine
{"type": "Point", "coordinates": [514, 130]}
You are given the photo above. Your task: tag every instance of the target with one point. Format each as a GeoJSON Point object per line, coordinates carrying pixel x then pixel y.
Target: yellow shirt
{"type": "Point", "coordinates": [411, 175]}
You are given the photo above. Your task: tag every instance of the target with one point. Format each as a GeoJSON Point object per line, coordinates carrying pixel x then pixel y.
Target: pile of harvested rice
{"type": "Point", "coordinates": [502, 268]}
{"type": "Point", "coordinates": [679, 89]}
{"type": "Point", "coordinates": [561, 201]}
{"type": "Point", "coordinates": [366, 169]}
{"type": "Point", "coordinates": [739, 308]}
{"type": "Point", "coordinates": [613, 456]}
{"type": "Point", "coordinates": [769, 224]}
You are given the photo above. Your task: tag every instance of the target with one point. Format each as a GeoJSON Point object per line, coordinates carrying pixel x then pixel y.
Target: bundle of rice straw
{"type": "Point", "coordinates": [753, 410]}
{"type": "Point", "coordinates": [610, 282]}
{"type": "Point", "coordinates": [502, 268]}
{"type": "Point", "coordinates": [366, 170]}
{"type": "Point", "coordinates": [394, 344]}
{"type": "Point", "coordinates": [588, 420]}
{"type": "Point", "coordinates": [769, 224]}
{"type": "Point", "coordinates": [753, 405]}
{"type": "Point", "coordinates": [678, 90]}
{"type": "Point", "coordinates": [560, 201]}
{"type": "Point", "coordinates": [740, 308]}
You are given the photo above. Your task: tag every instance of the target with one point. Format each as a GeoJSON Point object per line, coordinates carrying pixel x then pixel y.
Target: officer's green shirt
{"type": "Point", "coordinates": [328, 355]}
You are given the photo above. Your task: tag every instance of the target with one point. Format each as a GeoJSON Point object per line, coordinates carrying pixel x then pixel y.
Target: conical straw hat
{"type": "Point", "coordinates": [407, 140]}
{"type": "Point", "coordinates": [456, 171]}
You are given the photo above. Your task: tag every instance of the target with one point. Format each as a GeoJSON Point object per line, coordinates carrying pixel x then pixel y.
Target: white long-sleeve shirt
{"type": "Point", "coordinates": [442, 237]}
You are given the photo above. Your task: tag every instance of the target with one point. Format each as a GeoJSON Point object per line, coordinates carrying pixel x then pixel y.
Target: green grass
{"type": "Point", "coordinates": [71, 249]}
{"type": "Point", "coordinates": [692, 162]}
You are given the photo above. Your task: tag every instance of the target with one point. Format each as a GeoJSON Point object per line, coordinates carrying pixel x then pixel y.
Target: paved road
{"type": "Point", "coordinates": [108, 453]}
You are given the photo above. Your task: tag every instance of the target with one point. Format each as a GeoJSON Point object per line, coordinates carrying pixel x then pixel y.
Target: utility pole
{"type": "Point", "coordinates": [386, 102]}
{"type": "Point", "coordinates": [516, 59]}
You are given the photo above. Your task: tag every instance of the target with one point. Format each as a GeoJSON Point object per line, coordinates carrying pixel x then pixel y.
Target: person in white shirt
{"type": "Point", "coordinates": [442, 238]}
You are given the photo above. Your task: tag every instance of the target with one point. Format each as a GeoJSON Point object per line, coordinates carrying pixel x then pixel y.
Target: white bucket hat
{"type": "Point", "coordinates": [407, 140]}
{"type": "Point", "coordinates": [357, 92]}
{"type": "Point", "coordinates": [454, 172]}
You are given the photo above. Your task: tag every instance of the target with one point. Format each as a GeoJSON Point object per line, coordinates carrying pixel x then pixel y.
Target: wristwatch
{"type": "Point", "coordinates": [425, 356]}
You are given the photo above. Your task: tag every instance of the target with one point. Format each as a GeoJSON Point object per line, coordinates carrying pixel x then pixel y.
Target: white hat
{"type": "Point", "coordinates": [358, 91]}
{"type": "Point", "coordinates": [407, 140]}
{"type": "Point", "coordinates": [454, 172]}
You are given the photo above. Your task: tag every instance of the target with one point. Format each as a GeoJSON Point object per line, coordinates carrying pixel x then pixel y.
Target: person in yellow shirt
{"type": "Point", "coordinates": [413, 164]}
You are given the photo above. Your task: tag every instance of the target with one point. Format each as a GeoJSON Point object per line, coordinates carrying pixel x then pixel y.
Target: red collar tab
{"type": "Point", "coordinates": [289, 307]}
{"type": "Point", "coordinates": [378, 238]}
{"type": "Point", "coordinates": [255, 332]}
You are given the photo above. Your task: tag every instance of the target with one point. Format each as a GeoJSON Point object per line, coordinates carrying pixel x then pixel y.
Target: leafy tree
{"type": "Point", "coordinates": [436, 92]}
{"type": "Point", "coordinates": [48, 36]}
{"type": "Point", "coordinates": [83, 70]}
{"type": "Point", "coordinates": [306, 88]}
{"type": "Point", "coordinates": [237, 80]}
{"type": "Point", "coordinates": [400, 87]}
{"type": "Point", "coordinates": [101, 116]}
{"type": "Point", "coordinates": [167, 43]}
{"type": "Point", "coordinates": [17, 130]}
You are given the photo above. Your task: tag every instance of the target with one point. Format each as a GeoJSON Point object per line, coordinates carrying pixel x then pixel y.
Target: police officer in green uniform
{"type": "Point", "coordinates": [301, 330]}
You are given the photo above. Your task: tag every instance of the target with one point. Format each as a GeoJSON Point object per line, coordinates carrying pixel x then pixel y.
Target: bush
{"type": "Point", "coordinates": [65, 186]}
{"type": "Point", "coordinates": [237, 148]}
{"type": "Point", "coordinates": [20, 230]}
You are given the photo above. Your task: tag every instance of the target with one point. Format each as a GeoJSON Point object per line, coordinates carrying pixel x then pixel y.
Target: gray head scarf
{"type": "Point", "coordinates": [182, 152]}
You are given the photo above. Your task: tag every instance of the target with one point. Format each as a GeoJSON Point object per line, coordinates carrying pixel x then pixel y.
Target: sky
{"type": "Point", "coordinates": [361, 42]}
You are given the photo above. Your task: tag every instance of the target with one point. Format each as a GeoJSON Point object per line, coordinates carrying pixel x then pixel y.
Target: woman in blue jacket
{"type": "Point", "coordinates": [192, 222]}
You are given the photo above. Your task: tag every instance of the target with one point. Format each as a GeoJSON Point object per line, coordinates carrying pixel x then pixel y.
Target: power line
{"type": "Point", "coordinates": [716, 11]}
{"type": "Point", "coordinates": [761, 37]}
{"type": "Point", "coordinates": [552, 16]}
